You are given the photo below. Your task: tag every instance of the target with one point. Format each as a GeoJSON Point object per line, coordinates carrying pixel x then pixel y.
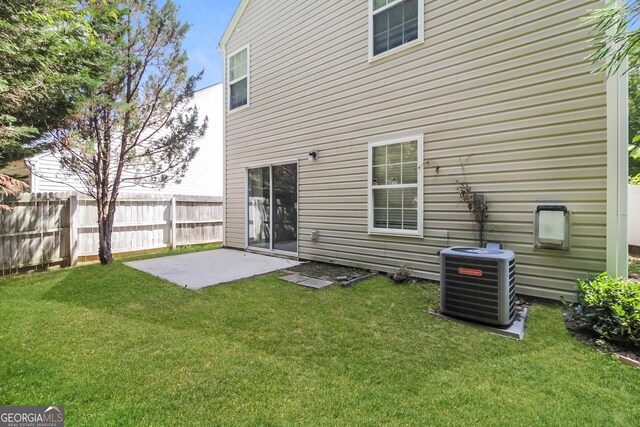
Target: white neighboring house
{"type": "Point", "coordinates": [203, 178]}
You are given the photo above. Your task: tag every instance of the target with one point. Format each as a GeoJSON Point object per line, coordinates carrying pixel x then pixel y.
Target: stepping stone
{"type": "Point", "coordinates": [306, 281]}
{"type": "Point", "coordinates": [295, 278]}
{"type": "Point", "coordinates": [315, 283]}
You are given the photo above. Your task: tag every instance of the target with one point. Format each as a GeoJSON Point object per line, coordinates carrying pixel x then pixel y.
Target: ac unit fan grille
{"type": "Point", "coordinates": [512, 287]}
{"type": "Point", "coordinates": [477, 296]}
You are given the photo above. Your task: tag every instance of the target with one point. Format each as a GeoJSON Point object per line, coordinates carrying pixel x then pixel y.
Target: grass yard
{"type": "Point", "coordinates": [118, 347]}
{"type": "Point", "coordinates": [634, 266]}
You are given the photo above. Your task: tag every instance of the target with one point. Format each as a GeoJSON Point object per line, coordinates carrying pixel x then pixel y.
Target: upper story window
{"type": "Point", "coordinates": [238, 78]}
{"type": "Point", "coordinates": [396, 187]}
{"type": "Point", "coordinates": [395, 23]}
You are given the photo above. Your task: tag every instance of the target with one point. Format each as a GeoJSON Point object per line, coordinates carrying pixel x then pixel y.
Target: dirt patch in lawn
{"type": "Point", "coordinates": [347, 276]}
{"type": "Point", "coordinates": [335, 273]}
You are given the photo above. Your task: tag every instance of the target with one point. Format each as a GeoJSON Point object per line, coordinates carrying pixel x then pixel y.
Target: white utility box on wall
{"type": "Point", "coordinates": [552, 227]}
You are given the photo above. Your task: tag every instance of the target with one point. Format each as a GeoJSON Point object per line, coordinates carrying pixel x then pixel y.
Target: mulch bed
{"type": "Point", "coordinates": [592, 339]}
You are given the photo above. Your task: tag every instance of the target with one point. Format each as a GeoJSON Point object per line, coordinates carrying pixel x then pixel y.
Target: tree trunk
{"type": "Point", "coordinates": [105, 229]}
{"type": "Point", "coordinates": [104, 250]}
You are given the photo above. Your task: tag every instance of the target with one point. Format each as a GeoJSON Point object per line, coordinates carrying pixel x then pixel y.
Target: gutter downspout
{"type": "Point", "coordinates": [617, 173]}
{"type": "Point", "coordinates": [222, 50]}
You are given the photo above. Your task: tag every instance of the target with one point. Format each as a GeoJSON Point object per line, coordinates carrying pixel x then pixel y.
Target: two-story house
{"type": "Point", "coordinates": [349, 126]}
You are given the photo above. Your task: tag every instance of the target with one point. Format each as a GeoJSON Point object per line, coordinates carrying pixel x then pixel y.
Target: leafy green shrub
{"type": "Point", "coordinates": [610, 307]}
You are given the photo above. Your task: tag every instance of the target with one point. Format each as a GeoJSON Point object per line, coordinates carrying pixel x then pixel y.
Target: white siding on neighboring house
{"type": "Point", "coordinates": [634, 215]}
{"type": "Point", "coordinates": [501, 92]}
{"type": "Point", "coordinates": [203, 178]}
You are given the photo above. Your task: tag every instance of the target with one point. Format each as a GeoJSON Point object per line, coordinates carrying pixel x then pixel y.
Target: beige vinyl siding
{"type": "Point", "coordinates": [501, 87]}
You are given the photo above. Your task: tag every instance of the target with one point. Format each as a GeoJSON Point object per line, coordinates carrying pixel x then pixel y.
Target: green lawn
{"type": "Point", "coordinates": [118, 347]}
{"type": "Point", "coordinates": [634, 265]}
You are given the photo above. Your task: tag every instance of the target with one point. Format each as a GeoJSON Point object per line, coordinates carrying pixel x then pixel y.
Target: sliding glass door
{"type": "Point", "coordinates": [259, 210]}
{"type": "Point", "coordinates": [272, 211]}
{"type": "Point", "coordinates": [285, 208]}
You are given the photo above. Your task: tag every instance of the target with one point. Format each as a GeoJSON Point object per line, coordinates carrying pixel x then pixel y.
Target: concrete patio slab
{"type": "Point", "coordinates": [203, 269]}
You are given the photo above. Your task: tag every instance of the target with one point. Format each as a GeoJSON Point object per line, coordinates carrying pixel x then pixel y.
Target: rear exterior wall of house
{"type": "Point", "coordinates": [501, 92]}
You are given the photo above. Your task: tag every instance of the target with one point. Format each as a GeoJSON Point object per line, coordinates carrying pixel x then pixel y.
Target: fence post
{"type": "Point", "coordinates": [73, 230]}
{"type": "Point", "coordinates": [174, 220]}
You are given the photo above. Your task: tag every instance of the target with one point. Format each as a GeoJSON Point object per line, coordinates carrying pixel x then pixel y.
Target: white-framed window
{"type": "Point", "coordinates": [396, 186]}
{"type": "Point", "coordinates": [238, 78]}
{"type": "Point", "coordinates": [394, 24]}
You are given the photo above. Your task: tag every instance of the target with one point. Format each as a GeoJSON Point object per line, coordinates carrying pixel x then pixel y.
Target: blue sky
{"type": "Point", "coordinates": [208, 19]}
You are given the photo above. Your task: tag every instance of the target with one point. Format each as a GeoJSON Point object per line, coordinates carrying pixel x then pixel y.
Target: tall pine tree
{"type": "Point", "coordinates": [140, 128]}
{"type": "Point", "coordinates": [50, 61]}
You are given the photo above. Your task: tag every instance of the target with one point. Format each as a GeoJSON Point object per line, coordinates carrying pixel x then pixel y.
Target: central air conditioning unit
{"type": "Point", "coordinates": [478, 284]}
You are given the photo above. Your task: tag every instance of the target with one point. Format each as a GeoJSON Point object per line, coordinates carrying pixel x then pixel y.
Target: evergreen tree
{"type": "Point", "coordinates": [140, 128]}
{"type": "Point", "coordinates": [50, 61]}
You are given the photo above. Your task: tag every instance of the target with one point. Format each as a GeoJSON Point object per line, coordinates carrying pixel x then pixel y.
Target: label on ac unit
{"type": "Point", "coordinates": [470, 272]}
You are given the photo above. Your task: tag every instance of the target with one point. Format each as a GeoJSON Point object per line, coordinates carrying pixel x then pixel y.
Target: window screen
{"type": "Point", "coordinates": [394, 24]}
{"type": "Point", "coordinates": [239, 79]}
{"type": "Point", "coordinates": [395, 186]}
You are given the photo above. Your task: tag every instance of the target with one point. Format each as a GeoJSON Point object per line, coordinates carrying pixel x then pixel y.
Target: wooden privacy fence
{"type": "Point", "coordinates": [61, 228]}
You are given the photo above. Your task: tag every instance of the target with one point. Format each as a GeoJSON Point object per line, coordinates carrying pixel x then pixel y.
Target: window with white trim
{"type": "Point", "coordinates": [394, 23]}
{"type": "Point", "coordinates": [396, 187]}
{"type": "Point", "coordinates": [238, 79]}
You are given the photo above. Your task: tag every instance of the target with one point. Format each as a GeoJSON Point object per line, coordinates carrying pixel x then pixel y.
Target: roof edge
{"type": "Point", "coordinates": [35, 158]}
{"type": "Point", "coordinates": [202, 89]}
{"type": "Point", "coordinates": [232, 24]}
